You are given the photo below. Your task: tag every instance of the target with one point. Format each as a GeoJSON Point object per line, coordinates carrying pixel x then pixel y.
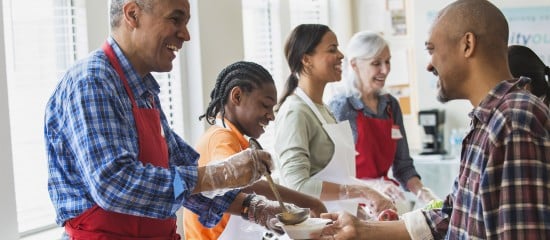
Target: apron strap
{"type": "Point", "coordinates": [389, 110]}
{"type": "Point", "coordinates": [301, 94]}
{"type": "Point", "coordinates": [116, 65]}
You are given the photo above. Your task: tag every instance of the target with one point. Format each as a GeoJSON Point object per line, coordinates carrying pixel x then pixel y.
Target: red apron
{"type": "Point", "coordinates": [96, 223]}
{"type": "Point", "coordinates": [375, 146]}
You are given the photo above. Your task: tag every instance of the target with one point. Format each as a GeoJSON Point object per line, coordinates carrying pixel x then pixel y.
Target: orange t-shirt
{"type": "Point", "coordinates": [216, 144]}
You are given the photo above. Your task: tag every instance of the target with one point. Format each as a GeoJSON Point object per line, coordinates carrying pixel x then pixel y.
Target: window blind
{"type": "Point", "coordinates": [262, 29]}
{"type": "Point", "coordinates": [308, 11]}
{"type": "Point", "coordinates": [171, 96]}
{"type": "Point", "coordinates": [260, 24]}
{"type": "Point", "coordinates": [43, 38]}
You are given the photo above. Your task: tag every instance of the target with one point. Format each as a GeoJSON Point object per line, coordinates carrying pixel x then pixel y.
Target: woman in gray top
{"type": "Point", "coordinates": [311, 158]}
{"type": "Point", "coordinates": [376, 119]}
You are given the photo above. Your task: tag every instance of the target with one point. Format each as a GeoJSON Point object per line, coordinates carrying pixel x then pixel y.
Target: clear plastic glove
{"type": "Point", "coordinates": [262, 211]}
{"type": "Point", "coordinates": [394, 192]}
{"type": "Point", "coordinates": [375, 201]}
{"type": "Point", "coordinates": [239, 170]}
{"type": "Point", "coordinates": [389, 188]}
{"type": "Point", "coordinates": [425, 195]}
{"type": "Point", "coordinates": [362, 213]}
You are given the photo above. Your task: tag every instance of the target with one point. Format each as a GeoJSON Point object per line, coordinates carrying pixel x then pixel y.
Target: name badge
{"type": "Point", "coordinates": [396, 132]}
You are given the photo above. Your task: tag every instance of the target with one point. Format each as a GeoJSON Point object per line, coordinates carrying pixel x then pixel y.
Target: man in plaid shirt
{"type": "Point", "coordinates": [502, 189]}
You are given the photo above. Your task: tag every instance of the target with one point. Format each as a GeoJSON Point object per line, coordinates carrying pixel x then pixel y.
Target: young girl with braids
{"type": "Point", "coordinates": [241, 106]}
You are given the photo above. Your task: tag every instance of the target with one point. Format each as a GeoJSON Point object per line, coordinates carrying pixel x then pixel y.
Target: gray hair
{"type": "Point", "coordinates": [115, 13]}
{"type": "Point", "coordinates": [363, 45]}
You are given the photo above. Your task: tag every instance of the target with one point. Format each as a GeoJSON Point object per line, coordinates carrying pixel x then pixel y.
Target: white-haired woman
{"type": "Point", "coordinates": [376, 119]}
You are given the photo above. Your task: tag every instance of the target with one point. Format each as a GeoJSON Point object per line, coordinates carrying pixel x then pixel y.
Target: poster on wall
{"type": "Point", "coordinates": [398, 16]}
{"type": "Point", "coordinates": [530, 27]}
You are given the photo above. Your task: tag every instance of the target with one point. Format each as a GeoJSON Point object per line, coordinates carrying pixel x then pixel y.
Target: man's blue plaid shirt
{"type": "Point", "coordinates": [92, 147]}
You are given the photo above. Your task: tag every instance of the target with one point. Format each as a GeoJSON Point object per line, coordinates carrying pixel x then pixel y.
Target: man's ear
{"type": "Point", "coordinates": [468, 44]}
{"type": "Point", "coordinates": [131, 11]}
{"type": "Point", "coordinates": [235, 96]}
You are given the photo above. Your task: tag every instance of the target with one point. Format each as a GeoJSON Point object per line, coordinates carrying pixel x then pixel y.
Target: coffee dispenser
{"type": "Point", "coordinates": [432, 123]}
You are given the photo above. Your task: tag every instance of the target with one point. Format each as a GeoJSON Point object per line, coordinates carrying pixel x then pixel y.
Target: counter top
{"type": "Point", "coordinates": [435, 157]}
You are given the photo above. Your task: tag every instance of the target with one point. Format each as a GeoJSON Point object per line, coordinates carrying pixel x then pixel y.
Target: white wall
{"type": "Point", "coordinates": [341, 20]}
{"type": "Point", "coordinates": [97, 19]}
{"type": "Point", "coordinates": [216, 41]}
{"type": "Point", "coordinates": [8, 219]}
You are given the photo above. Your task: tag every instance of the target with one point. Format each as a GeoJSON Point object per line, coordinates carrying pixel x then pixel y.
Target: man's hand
{"type": "Point", "coordinates": [344, 226]}
{"type": "Point", "coordinates": [425, 195]}
{"type": "Point", "coordinates": [239, 170]}
{"type": "Point", "coordinates": [262, 211]}
{"type": "Point", "coordinates": [375, 201]}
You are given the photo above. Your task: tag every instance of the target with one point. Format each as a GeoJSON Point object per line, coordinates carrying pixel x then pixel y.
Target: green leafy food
{"type": "Point", "coordinates": [434, 204]}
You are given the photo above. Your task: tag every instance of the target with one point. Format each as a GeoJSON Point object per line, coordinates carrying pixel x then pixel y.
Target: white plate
{"type": "Point", "coordinates": [310, 228]}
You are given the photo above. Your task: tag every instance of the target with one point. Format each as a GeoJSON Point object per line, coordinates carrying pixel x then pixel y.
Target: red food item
{"type": "Point", "coordinates": [388, 215]}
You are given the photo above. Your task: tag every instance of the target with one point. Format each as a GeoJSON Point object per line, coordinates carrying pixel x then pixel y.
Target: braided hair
{"type": "Point", "coordinates": [246, 75]}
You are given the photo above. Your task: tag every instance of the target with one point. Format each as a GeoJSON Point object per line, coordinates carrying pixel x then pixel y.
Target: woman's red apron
{"type": "Point", "coordinates": [375, 146]}
{"type": "Point", "coordinates": [96, 223]}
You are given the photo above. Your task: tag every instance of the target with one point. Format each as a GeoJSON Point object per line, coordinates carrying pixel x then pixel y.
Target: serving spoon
{"type": "Point", "coordinates": [287, 217]}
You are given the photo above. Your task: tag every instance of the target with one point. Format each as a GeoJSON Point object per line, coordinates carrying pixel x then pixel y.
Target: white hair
{"type": "Point", "coordinates": [363, 45]}
{"type": "Point", "coordinates": [115, 12]}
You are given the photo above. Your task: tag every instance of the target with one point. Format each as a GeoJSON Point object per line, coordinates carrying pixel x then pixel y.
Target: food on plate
{"type": "Point", "coordinates": [433, 204]}
{"type": "Point", "coordinates": [388, 215]}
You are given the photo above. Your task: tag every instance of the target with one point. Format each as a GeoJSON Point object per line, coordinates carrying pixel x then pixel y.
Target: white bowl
{"type": "Point", "coordinates": [310, 228]}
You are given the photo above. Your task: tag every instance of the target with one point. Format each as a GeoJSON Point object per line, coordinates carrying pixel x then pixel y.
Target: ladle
{"type": "Point", "coordinates": [287, 217]}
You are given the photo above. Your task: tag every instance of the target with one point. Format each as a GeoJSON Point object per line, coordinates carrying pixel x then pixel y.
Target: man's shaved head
{"type": "Point", "coordinates": [479, 17]}
{"type": "Point", "coordinates": [468, 42]}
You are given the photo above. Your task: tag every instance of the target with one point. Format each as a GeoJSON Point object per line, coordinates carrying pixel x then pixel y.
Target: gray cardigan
{"type": "Point", "coordinates": [302, 147]}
